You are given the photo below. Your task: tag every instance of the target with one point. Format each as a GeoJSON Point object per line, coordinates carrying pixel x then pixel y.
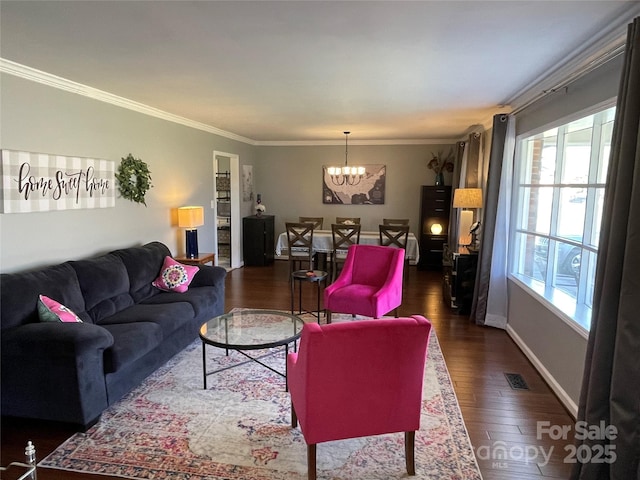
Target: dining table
{"type": "Point", "coordinates": [323, 243]}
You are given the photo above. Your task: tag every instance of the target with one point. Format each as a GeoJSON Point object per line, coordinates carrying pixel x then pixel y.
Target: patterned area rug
{"type": "Point", "coordinates": [239, 429]}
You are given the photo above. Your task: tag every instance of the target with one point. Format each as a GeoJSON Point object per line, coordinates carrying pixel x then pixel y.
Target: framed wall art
{"type": "Point", "coordinates": [365, 189]}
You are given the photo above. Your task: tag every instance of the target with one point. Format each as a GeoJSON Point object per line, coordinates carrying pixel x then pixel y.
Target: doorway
{"type": "Point", "coordinates": [226, 188]}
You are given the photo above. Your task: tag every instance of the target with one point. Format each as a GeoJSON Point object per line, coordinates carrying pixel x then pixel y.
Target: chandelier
{"type": "Point", "coordinates": [346, 175]}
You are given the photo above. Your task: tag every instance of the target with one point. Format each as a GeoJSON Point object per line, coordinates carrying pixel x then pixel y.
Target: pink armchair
{"type": "Point", "coordinates": [370, 283]}
{"type": "Point", "coordinates": [357, 379]}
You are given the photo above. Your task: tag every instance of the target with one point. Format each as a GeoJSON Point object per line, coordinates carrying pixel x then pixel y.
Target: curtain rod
{"type": "Point", "coordinates": [573, 77]}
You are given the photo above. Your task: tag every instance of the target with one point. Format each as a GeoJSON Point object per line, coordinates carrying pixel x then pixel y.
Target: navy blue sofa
{"type": "Point", "coordinates": [71, 372]}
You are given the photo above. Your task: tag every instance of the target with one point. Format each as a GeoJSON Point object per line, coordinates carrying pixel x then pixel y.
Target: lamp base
{"type": "Point", "coordinates": [464, 234]}
{"type": "Point", "coordinates": [192, 243]}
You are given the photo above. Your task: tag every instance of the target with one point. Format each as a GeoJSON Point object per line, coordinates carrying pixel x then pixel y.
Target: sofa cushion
{"type": "Point", "coordinates": [202, 299]}
{"type": "Point", "coordinates": [104, 283]}
{"type": "Point", "coordinates": [168, 316]}
{"type": "Point", "coordinates": [131, 341]}
{"type": "Point", "coordinates": [51, 311]}
{"type": "Point", "coordinates": [20, 292]}
{"type": "Point", "coordinates": [174, 276]}
{"type": "Point", "coordinates": [143, 265]}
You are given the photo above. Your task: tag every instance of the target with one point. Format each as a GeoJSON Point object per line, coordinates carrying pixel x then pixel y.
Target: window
{"type": "Point", "coordinates": [558, 196]}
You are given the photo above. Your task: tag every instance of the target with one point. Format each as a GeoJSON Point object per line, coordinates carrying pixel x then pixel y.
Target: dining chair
{"type": "Point", "coordinates": [395, 221]}
{"type": "Point", "coordinates": [347, 220]}
{"type": "Point", "coordinates": [395, 236]}
{"type": "Point", "coordinates": [317, 221]}
{"type": "Point", "coordinates": [319, 258]}
{"type": "Point", "coordinates": [300, 243]}
{"type": "Point", "coordinates": [359, 379]}
{"type": "Point", "coordinates": [342, 236]}
{"type": "Point", "coordinates": [369, 284]}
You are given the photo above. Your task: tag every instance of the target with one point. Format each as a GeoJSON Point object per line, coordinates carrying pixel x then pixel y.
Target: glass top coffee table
{"type": "Point", "coordinates": [244, 330]}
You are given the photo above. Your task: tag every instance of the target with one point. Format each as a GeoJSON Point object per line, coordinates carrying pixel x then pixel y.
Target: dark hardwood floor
{"type": "Point", "coordinates": [498, 418]}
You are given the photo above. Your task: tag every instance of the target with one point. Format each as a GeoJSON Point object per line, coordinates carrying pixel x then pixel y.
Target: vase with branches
{"type": "Point", "coordinates": [441, 163]}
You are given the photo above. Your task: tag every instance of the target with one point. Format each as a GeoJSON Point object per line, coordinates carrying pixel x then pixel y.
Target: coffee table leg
{"type": "Point", "coordinates": [286, 369]}
{"type": "Point", "coordinates": [204, 365]}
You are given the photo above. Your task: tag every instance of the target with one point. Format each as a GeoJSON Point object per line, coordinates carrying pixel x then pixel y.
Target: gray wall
{"type": "Point", "coordinates": [38, 118]}
{"type": "Point", "coordinates": [557, 350]}
{"type": "Point", "coordinates": [290, 181]}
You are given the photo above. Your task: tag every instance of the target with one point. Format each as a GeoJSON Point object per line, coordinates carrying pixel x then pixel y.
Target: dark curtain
{"type": "Point", "coordinates": [455, 183]}
{"type": "Point", "coordinates": [611, 384]}
{"type": "Point", "coordinates": [473, 160]}
{"type": "Point", "coordinates": [491, 198]}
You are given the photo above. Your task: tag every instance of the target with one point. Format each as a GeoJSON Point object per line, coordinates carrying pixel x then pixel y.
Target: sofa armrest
{"type": "Point", "coordinates": [209, 276]}
{"type": "Point", "coordinates": [54, 339]}
{"type": "Point", "coordinates": [54, 371]}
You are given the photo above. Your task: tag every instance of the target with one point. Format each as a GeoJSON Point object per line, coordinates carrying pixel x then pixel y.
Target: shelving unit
{"type": "Point", "coordinates": [223, 220]}
{"type": "Point", "coordinates": [434, 209]}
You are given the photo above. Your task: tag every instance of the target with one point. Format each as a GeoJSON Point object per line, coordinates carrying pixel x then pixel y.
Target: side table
{"type": "Point", "coordinates": [201, 259]}
{"type": "Point", "coordinates": [312, 276]}
{"type": "Point", "coordinates": [459, 278]}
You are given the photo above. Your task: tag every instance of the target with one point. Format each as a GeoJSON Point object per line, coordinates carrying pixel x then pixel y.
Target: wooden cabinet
{"type": "Point", "coordinates": [435, 203]}
{"type": "Point", "coordinates": [460, 278]}
{"type": "Point", "coordinates": [258, 240]}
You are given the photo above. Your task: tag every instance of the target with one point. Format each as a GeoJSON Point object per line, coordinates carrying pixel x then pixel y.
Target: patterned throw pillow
{"type": "Point", "coordinates": [51, 311]}
{"type": "Point", "coordinates": [174, 276]}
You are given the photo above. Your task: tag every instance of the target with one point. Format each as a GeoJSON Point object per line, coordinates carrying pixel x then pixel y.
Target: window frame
{"type": "Point", "coordinates": [576, 312]}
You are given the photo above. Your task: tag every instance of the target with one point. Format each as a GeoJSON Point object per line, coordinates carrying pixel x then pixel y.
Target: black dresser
{"type": "Point", "coordinates": [435, 203]}
{"type": "Point", "coordinates": [258, 240]}
{"type": "Point", "coordinates": [460, 278]}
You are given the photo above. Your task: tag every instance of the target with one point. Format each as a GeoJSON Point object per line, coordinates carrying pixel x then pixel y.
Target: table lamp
{"type": "Point", "coordinates": [466, 198]}
{"type": "Point", "coordinates": [190, 218]}
{"type": "Point", "coordinates": [436, 228]}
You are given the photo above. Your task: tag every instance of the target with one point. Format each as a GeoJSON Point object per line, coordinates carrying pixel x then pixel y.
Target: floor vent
{"type": "Point", "coordinates": [516, 381]}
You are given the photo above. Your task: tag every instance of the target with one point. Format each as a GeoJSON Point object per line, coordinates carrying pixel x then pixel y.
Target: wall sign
{"type": "Point", "coordinates": [38, 182]}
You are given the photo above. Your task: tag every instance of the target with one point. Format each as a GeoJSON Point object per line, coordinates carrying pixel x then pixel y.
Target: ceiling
{"type": "Point", "coordinates": [305, 71]}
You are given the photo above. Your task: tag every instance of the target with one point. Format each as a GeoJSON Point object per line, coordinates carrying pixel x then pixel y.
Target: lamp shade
{"type": "Point", "coordinates": [190, 217]}
{"type": "Point", "coordinates": [467, 198]}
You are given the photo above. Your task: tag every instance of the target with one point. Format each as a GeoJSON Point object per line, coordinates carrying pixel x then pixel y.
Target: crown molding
{"type": "Point", "coordinates": [44, 78]}
{"type": "Point", "coordinates": [319, 143]}
{"type": "Point", "coordinates": [38, 76]}
{"type": "Point", "coordinates": [605, 46]}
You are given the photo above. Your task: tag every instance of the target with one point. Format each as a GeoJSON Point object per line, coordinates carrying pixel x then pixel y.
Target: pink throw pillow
{"type": "Point", "coordinates": [174, 276]}
{"type": "Point", "coordinates": [51, 311]}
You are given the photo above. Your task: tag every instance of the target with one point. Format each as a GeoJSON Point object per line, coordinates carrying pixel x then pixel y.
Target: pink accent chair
{"type": "Point", "coordinates": [369, 284]}
{"type": "Point", "coordinates": [357, 379]}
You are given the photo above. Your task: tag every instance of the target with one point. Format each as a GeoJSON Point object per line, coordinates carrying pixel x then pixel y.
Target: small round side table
{"type": "Point", "coordinates": [312, 276]}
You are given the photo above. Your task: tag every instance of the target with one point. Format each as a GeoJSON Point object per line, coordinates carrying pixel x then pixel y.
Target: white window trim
{"type": "Point", "coordinates": [578, 315]}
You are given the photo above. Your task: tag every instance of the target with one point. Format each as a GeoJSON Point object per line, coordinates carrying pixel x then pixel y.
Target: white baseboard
{"type": "Point", "coordinates": [562, 395]}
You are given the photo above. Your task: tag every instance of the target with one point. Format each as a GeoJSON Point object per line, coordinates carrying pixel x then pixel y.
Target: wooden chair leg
{"type": "Point", "coordinates": [311, 462]}
{"type": "Point", "coordinates": [395, 312]}
{"type": "Point", "coordinates": [328, 315]}
{"type": "Point", "coordinates": [409, 452]}
{"type": "Point", "coordinates": [294, 417]}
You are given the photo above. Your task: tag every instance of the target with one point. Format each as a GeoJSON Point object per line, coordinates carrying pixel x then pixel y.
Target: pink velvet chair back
{"type": "Point", "coordinates": [370, 283]}
{"type": "Point", "coordinates": [355, 379]}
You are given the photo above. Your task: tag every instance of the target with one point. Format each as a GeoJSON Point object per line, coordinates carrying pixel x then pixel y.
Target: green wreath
{"type": "Point", "coordinates": [134, 179]}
